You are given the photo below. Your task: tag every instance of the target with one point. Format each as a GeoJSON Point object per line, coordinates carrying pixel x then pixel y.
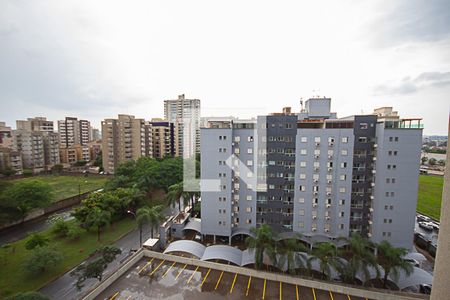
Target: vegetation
{"type": "Point", "coordinates": [41, 260]}
{"type": "Point", "coordinates": [263, 242]}
{"type": "Point", "coordinates": [19, 199]}
{"type": "Point", "coordinates": [73, 252]}
{"type": "Point", "coordinates": [326, 254]}
{"type": "Point", "coordinates": [28, 296]}
{"type": "Point", "coordinates": [98, 219]}
{"type": "Point", "coordinates": [149, 215]}
{"type": "Point", "coordinates": [95, 268]}
{"type": "Point", "coordinates": [36, 240]}
{"type": "Point", "coordinates": [430, 195]}
{"type": "Point", "coordinates": [391, 260]}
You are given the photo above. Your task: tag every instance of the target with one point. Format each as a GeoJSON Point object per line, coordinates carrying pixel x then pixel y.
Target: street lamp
{"type": "Point", "coordinates": [140, 227]}
{"type": "Point", "coordinates": [79, 189]}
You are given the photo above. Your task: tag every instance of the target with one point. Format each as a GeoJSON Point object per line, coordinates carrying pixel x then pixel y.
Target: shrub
{"type": "Point", "coordinates": [74, 232]}
{"type": "Point", "coordinates": [42, 259]}
{"type": "Point", "coordinates": [60, 227]}
{"type": "Point", "coordinates": [36, 240]}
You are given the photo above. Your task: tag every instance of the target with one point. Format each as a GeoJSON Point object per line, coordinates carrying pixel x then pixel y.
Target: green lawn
{"type": "Point", "coordinates": [65, 186]}
{"type": "Point", "coordinates": [430, 195]}
{"type": "Point", "coordinates": [14, 279]}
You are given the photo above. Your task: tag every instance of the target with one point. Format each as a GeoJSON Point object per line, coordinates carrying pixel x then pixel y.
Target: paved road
{"type": "Point", "coordinates": [21, 231]}
{"type": "Point", "coordinates": [64, 286]}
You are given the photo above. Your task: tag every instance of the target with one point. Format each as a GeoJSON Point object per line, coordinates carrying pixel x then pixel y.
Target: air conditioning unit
{"type": "Point", "coordinates": [374, 158]}
{"type": "Point", "coordinates": [330, 156]}
{"type": "Point", "coordinates": [314, 205]}
{"type": "Point", "coordinates": [232, 144]}
{"type": "Point", "coordinates": [371, 209]}
{"type": "Point", "coordinates": [316, 180]}
{"type": "Point", "coordinates": [330, 169]}
{"type": "Point", "coordinates": [331, 144]}
{"type": "Point", "coordinates": [316, 168]}
{"type": "Point", "coordinates": [327, 230]}
{"type": "Point", "coordinates": [372, 197]}
{"type": "Point", "coordinates": [232, 214]}
{"type": "Point", "coordinates": [327, 218]}
{"type": "Point", "coordinates": [316, 156]}
{"type": "Point", "coordinates": [313, 229]}
{"type": "Point", "coordinates": [329, 181]}
{"type": "Point", "coordinates": [317, 144]}
{"type": "Point", "coordinates": [328, 193]}
{"type": "Point", "coordinates": [328, 205]}
{"type": "Point", "coordinates": [232, 225]}
{"type": "Point", "coordinates": [372, 184]}
{"type": "Point", "coordinates": [316, 193]}
{"type": "Point", "coordinates": [375, 145]}
{"type": "Point", "coordinates": [369, 234]}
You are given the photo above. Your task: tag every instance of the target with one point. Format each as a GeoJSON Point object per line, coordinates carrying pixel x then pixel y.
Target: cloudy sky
{"type": "Point", "coordinates": [95, 59]}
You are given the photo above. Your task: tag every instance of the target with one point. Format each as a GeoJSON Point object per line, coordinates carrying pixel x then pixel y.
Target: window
{"type": "Point", "coordinates": [249, 221]}
{"type": "Point", "coordinates": [386, 207]}
{"type": "Point", "coordinates": [396, 139]}
{"type": "Point", "coordinates": [317, 139]}
{"type": "Point", "coordinates": [342, 190]}
{"type": "Point", "coordinates": [341, 214]}
{"type": "Point", "coordinates": [331, 139]}
{"type": "Point", "coordinates": [303, 164]}
{"type": "Point", "coordinates": [386, 194]}
{"type": "Point", "coordinates": [249, 162]}
{"type": "Point", "coordinates": [250, 174]}
{"type": "Point", "coordinates": [303, 151]}
{"type": "Point", "coordinates": [393, 180]}
{"type": "Point", "coordinates": [344, 139]}
{"type": "Point", "coordinates": [389, 167]}
{"type": "Point", "coordinates": [391, 207]}
{"type": "Point", "coordinates": [236, 150]}
{"type": "Point", "coordinates": [389, 152]}
{"type": "Point", "coordinates": [342, 202]}
{"type": "Point", "coordinates": [302, 188]}
{"type": "Point", "coordinates": [392, 194]}
{"type": "Point", "coordinates": [362, 139]}
{"type": "Point", "coordinates": [395, 153]}
{"type": "Point", "coordinates": [388, 180]}
{"type": "Point", "coordinates": [363, 126]}
{"type": "Point", "coordinates": [316, 177]}
{"type": "Point", "coordinates": [304, 139]}
{"type": "Point", "coordinates": [249, 197]}
{"type": "Point", "coordinates": [248, 209]}
{"type": "Point", "coordinates": [343, 177]}
{"type": "Point", "coordinates": [317, 152]}
{"type": "Point", "coordinates": [301, 224]}
{"type": "Point", "coordinates": [343, 165]}
{"type": "Point", "coordinates": [249, 150]}
{"type": "Point", "coordinates": [344, 152]}
{"type": "Point", "coordinates": [302, 176]}
{"type": "Point", "coordinates": [341, 226]}
{"type": "Point", "coordinates": [391, 139]}
{"type": "Point", "coordinates": [394, 167]}
{"type": "Point", "coordinates": [271, 186]}
{"type": "Point", "coordinates": [301, 200]}
{"type": "Point", "coordinates": [237, 139]}
{"type": "Point", "coordinates": [301, 212]}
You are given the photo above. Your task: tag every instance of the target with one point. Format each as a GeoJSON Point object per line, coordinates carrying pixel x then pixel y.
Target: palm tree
{"type": "Point", "coordinates": [175, 193]}
{"type": "Point", "coordinates": [263, 240]}
{"type": "Point", "coordinates": [360, 257]}
{"type": "Point", "coordinates": [288, 250]}
{"type": "Point", "coordinates": [149, 215]}
{"type": "Point", "coordinates": [391, 259]}
{"type": "Point", "coordinates": [326, 254]}
{"type": "Point", "coordinates": [98, 218]}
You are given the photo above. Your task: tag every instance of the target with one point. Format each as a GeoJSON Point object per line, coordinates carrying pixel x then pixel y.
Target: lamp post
{"type": "Point", "coordinates": [140, 227]}
{"type": "Point", "coordinates": [79, 189]}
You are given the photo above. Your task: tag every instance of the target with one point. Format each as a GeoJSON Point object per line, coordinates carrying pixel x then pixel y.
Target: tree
{"type": "Point", "coordinates": [95, 268]}
{"type": "Point", "coordinates": [25, 196]}
{"type": "Point", "coordinates": [99, 219]}
{"type": "Point", "coordinates": [149, 215]}
{"type": "Point", "coordinates": [432, 161]}
{"type": "Point", "coordinates": [441, 162]}
{"type": "Point", "coordinates": [360, 257]}
{"type": "Point", "coordinates": [36, 240]}
{"type": "Point", "coordinates": [57, 168]}
{"type": "Point", "coordinates": [288, 250]}
{"type": "Point", "coordinates": [262, 241]}
{"type": "Point", "coordinates": [74, 232]}
{"type": "Point", "coordinates": [42, 259]}
{"type": "Point", "coordinates": [176, 192]}
{"type": "Point", "coordinates": [28, 296]}
{"type": "Point", "coordinates": [60, 227]}
{"type": "Point", "coordinates": [391, 260]}
{"type": "Point", "coordinates": [424, 159]}
{"type": "Point", "coordinates": [326, 254]}
{"type": "Point", "coordinates": [8, 171]}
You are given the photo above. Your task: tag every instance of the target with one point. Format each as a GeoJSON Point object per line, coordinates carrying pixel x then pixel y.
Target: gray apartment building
{"type": "Point", "coordinates": [312, 173]}
{"type": "Point", "coordinates": [74, 132]}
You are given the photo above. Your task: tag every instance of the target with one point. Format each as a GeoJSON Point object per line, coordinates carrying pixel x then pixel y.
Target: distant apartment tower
{"type": "Point", "coordinates": [38, 144]}
{"type": "Point", "coordinates": [5, 135]}
{"type": "Point", "coordinates": [163, 138]}
{"type": "Point", "coordinates": [123, 139]}
{"type": "Point", "coordinates": [95, 134]}
{"type": "Point", "coordinates": [74, 132]}
{"type": "Point", "coordinates": [312, 173]}
{"type": "Point", "coordinates": [185, 114]}
{"type": "Point", "coordinates": [10, 160]}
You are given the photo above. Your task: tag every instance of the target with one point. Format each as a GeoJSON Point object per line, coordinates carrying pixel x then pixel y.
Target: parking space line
{"type": "Point", "coordinates": [348, 296]}
{"type": "Point", "coordinates": [281, 290]}
{"type": "Point", "coordinates": [190, 278]}
{"type": "Point", "coordinates": [232, 285]}
{"type": "Point", "coordinates": [264, 289]}
{"type": "Point", "coordinates": [181, 270]}
{"type": "Point", "coordinates": [296, 291]}
{"type": "Point", "coordinates": [167, 271]}
{"type": "Point", "coordinates": [153, 272]}
{"type": "Point", "coordinates": [114, 296]}
{"type": "Point", "coordinates": [129, 297]}
{"type": "Point", "coordinates": [218, 281]}
{"type": "Point", "coordinates": [314, 293]}
{"type": "Point", "coordinates": [146, 265]}
{"type": "Point", "coordinates": [206, 276]}
{"type": "Point", "coordinates": [331, 296]}
{"type": "Point", "coordinates": [248, 285]}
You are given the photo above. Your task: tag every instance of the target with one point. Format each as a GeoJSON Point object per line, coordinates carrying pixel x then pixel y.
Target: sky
{"type": "Point", "coordinates": [96, 59]}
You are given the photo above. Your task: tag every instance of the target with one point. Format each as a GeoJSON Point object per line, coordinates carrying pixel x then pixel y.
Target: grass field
{"type": "Point", "coordinates": [14, 279]}
{"type": "Point", "coordinates": [67, 186]}
{"type": "Point", "coordinates": [430, 195]}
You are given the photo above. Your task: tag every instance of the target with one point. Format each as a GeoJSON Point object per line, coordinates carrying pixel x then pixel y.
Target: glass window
{"type": "Point", "coordinates": [304, 139]}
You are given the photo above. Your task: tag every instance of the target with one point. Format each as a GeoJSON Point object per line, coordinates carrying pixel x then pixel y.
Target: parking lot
{"type": "Point", "coordinates": [152, 278]}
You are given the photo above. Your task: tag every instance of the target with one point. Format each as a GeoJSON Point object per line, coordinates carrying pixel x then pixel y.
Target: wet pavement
{"type": "Point", "coordinates": [156, 279]}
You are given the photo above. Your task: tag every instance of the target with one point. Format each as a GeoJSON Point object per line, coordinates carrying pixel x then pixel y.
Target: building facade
{"type": "Point", "coordinates": [10, 160]}
{"type": "Point", "coordinates": [312, 173]}
{"type": "Point", "coordinates": [74, 132]}
{"type": "Point", "coordinates": [125, 138]}
{"type": "Point", "coordinates": [163, 138]}
{"type": "Point", "coordinates": [185, 114]}
{"type": "Point", "coordinates": [6, 139]}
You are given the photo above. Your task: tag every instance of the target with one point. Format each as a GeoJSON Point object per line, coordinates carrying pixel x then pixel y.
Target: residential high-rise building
{"type": "Point", "coordinates": [74, 132]}
{"type": "Point", "coordinates": [5, 135]}
{"type": "Point", "coordinates": [312, 173]}
{"type": "Point", "coordinates": [163, 138]}
{"type": "Point", "coordinates": [185, 114]}
{"type": "Point", "coordinates": [123, 139]}
{"type": "Point", "coordinates": [38, 144]}
{"type": "Point", "coordinates": [95, 134]}
{"type": "Point", "coordinates": [10, 159]}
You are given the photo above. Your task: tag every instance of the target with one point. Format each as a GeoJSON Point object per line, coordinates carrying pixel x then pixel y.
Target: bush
{"type": "Point", "coordinates": [36, 240]}
{"type": "Point", "coordinates": [27, 173]}
{"type": "Point", "coordinates": [74, 232]}
{"type": "Point", "coordinates": [42, 259]}
{"type": "Point", "coordinates": [60, 227]}
{"type": "Point", "coordinates": [28, 296]}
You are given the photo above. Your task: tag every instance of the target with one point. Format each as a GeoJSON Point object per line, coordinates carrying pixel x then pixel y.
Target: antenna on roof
{"type": "Point", "coordinates": [301, 104]}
